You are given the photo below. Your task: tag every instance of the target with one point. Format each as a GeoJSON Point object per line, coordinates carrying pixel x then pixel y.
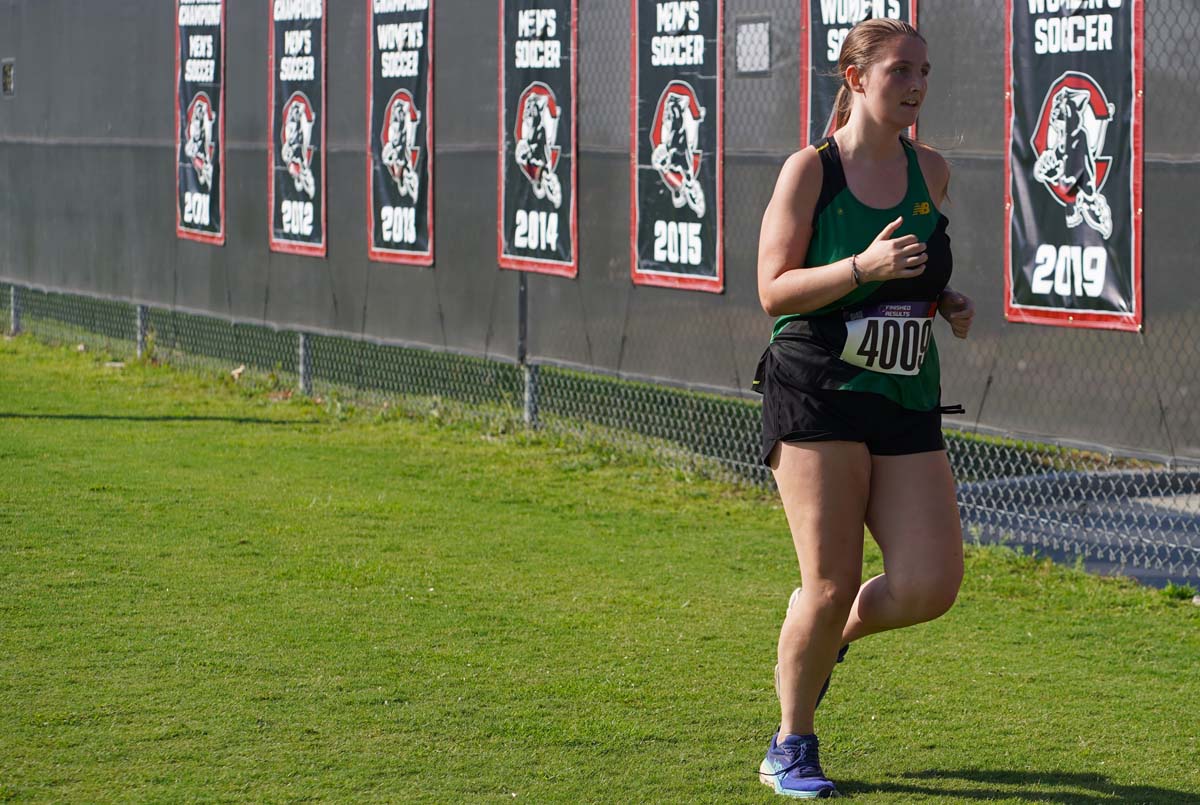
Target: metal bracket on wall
{"type": "Point", "coordinates": [8, 86]}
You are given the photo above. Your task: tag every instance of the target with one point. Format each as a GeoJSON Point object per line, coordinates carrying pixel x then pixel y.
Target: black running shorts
{"type": "Point", "coordinates": [792, 414]}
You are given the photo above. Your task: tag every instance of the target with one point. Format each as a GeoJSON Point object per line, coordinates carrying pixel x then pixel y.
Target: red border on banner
{"type": "Point", "coordinates": [1129, 322]}
{"type": "Point", "coordinates": [288, 246]}
{"type": "Point", "coordinates": [662, 279]}
{"type": "Point", "coordinates": [400, 256]}
{"type": "Point", "coordinates": [806, 67]}
{"type": "Point", "coordinates": [181, 231]}
{"type": "Point", "coordinates": [553, 267]}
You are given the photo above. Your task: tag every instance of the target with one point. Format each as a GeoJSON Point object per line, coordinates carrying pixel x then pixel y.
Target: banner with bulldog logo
{"type": "Point", "coordinates": [200, 120]}
{"type": "Point", "coordinates": [296, 148]}
{"type": "Point", "coordinates": [677, 131]}
{"type": "Point", "coordinates": [823, 28]}
{"type": "Point", "coordinates": [1074, 170]}
{"type": "Point", "coordinates": [400, 131]}
{"type": "Point", "coordinates": [538, 214]}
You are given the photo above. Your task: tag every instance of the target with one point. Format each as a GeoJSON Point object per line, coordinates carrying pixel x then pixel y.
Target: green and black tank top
{"type": "Point", "coordinates": [879, 337]}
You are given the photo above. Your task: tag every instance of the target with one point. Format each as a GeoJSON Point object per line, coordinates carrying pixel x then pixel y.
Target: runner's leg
{"type": "Point", "coordinates": [913, 516]}
{"type": "Point", "coordinates": [824, 487]}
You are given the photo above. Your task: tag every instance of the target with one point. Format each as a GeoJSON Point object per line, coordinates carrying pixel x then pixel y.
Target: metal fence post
{"type": "Point", "coordinates": [528, 373]}
{"type": "Point", "coordinates": [14, 309]}
{"type": "Point", "coordinates": [143, 316]}
{"type": "Point", "coordinates": [304, 366]}
{"type": "Point", "coordinates": [531, 395]}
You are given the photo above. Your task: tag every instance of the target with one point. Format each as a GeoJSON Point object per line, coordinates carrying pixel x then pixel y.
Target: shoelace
{"type": "Point", "coordinates": [812, 763]}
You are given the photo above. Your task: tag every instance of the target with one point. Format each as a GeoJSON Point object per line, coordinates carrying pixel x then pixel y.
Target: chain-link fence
{"type": "Point", "coordinates": [1115, 512]}
{"type": "Point", "coordinates": [1078, 443]}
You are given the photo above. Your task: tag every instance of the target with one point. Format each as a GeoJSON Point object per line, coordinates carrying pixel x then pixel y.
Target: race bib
{"type": "Point", "coordinates": [890, 337]}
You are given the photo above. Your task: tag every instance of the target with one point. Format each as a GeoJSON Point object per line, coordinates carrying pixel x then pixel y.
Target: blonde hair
{"type": "Point", "coordinates": [862, 49]}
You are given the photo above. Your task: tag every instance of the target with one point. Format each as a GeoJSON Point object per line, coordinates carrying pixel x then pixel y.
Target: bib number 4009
{"type": "Point", "coordinates": [895, 345]}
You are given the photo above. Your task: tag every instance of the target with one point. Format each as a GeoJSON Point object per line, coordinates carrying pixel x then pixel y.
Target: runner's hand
{"type": "Point", "coordinates": [958, 309]}
{"type": "Point", "coordinates": [890, 258]}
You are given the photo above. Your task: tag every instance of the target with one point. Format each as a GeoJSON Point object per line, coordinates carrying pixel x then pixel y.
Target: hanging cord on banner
{"type": "Point", "coordinates": [332, 287]}
{"type": "Point", "coordinates": [625, 326]}
{"type": "Point", "coordinates": [1162, 409]}
{"type": "Point", "coordinates": [361, 352]}
{"type": "Point", "coordinates": [587, 337]}
{"type": "Point", "coordinates": [175, 302]}
{"type": "Point", "coordinates": [437, 295]}
{"type": "Point", "coordinates": [237, 335]}
{"type": "Point", "coordinates": [737, 377]}
{"type": "Point", "coordinates": [228, 291]}
{"type": "Point", "coordinates": [491, 322]}
{"type": "Point", "coordinates": [267, 292]}
{"type": "Point", "coordinates": [987, 388]}
{"type": "Point", "coordinates": [522, 315]}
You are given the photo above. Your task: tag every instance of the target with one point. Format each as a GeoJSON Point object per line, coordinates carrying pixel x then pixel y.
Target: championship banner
{"type": "Point", "coordinates": [400, 131]}
{"type": "Point", "coordinates": [538, 214]}
{"type": "Point", "coordinates": [677, 125]}
{"type": "Point", "coordinates": [1073, 178]}
{"type": "Point", "coordinates": [200, 120]}
{"type": "Point", "coordinates": [296, 148]}
{"type": "Point", "coordinates": [823, 29]}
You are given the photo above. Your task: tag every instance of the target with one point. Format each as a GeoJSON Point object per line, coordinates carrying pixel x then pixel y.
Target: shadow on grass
{"type": "Point", "coordinates": [984, 785]}
{"type": "Point", "coordinates": [242, 420]}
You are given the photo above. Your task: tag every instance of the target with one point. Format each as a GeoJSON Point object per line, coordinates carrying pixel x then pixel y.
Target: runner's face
{"type": "Point", "coordinates": [895, 85]}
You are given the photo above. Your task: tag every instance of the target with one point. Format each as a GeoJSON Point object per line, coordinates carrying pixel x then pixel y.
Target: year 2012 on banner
{"type": "Point", "coordinates": [296, 150]}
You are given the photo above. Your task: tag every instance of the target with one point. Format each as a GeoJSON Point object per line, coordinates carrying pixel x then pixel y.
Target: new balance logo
{"type": "Point", "coordinates": [921, 208]}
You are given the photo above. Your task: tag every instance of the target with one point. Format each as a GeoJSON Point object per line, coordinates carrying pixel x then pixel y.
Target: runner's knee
{"type": "Point", "coordinates": [926, 595]}
{"type": "Point", "coordinates": [829, 599]}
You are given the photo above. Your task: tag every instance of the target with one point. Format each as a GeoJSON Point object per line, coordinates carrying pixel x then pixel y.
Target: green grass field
{"type": "Point", "coordinates": [212, 593]}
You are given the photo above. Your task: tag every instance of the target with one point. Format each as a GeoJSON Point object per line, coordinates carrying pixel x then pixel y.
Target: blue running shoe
{"type": "Point", "coordinates": [793, 768]}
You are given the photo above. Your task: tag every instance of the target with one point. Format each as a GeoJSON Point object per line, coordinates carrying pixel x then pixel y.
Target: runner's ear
{"type": "Point", "coordinates": [854, 77]}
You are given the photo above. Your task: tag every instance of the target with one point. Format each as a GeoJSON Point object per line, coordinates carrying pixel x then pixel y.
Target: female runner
{"type": "Point", "coordinates": [853, 262]}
